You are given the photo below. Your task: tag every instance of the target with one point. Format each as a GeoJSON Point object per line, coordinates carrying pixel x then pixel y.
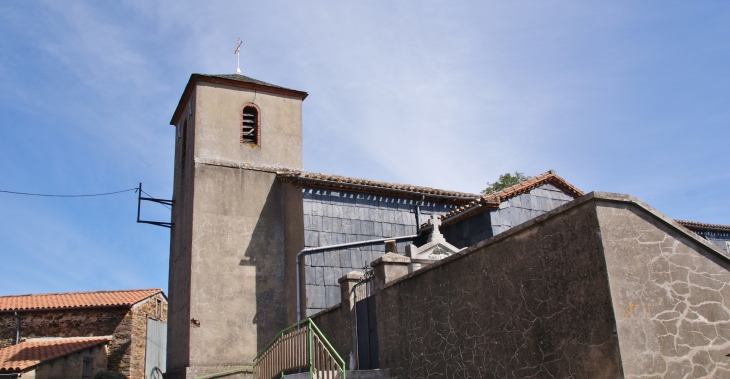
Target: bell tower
{"type": "Point", "coordinates": [228, 243]}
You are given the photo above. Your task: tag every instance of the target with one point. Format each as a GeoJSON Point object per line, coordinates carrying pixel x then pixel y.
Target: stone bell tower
{"type": "Point", "coordinates": [228, 243]}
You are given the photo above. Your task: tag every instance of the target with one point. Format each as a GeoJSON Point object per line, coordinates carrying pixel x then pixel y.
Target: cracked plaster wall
{"type": "Point", "coordinates": [671, 297]}
{"type": "Point", "coordinates": [532, 303]}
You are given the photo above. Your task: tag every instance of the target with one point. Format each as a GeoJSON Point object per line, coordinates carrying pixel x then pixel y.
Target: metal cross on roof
{"type": "Point", "coordinates": [238, 57]}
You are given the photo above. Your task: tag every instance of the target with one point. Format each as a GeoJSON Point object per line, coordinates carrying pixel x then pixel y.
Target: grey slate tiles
{"type": "Point", "coordinates": [335, 217]}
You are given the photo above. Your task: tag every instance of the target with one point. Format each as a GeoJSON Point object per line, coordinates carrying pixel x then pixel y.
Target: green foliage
{"type": "Point", "coordinates": [505, 181]}
{"type": "Point", "coordinates": [109, 375]}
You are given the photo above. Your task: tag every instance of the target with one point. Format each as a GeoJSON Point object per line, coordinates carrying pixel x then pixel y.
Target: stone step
{"type": "Point", "coordinates": [351, 374]}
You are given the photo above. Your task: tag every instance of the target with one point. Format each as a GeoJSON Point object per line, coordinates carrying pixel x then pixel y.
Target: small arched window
{"type": "Point", "coordinates": [250, 125]}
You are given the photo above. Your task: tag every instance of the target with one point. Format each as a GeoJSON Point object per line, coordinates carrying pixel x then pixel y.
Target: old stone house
{"type": "Point", "coordinates": [125, 320]}
{"type": "Point", "coordinates": [258, 243]}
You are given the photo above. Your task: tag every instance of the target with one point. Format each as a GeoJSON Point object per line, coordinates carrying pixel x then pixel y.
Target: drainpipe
{"type": "Point", "coordinates": [310, 250]}
{"type": "Point", "coordinates": [17, 329]}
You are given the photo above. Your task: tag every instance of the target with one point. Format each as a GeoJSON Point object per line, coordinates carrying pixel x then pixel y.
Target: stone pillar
{"type": "Point", "coordinates": [347, 311]}
{"type": "Point", "coordinates": [388, 268]}
{"type": "Point", "coordinates": [347, 282]}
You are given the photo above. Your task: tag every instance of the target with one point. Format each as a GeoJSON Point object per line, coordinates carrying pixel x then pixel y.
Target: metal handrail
{"type": "Point", "coordinates": [291, 350]}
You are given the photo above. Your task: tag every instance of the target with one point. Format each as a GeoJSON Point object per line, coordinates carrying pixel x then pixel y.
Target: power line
{"type": "Point", "coordinates": [47, 195]}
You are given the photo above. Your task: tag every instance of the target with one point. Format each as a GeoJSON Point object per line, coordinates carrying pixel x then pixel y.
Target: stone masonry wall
{"type": "Point", "coordinates": [83, 322]}
{"type": "Point", "coordinates": [138, 342]}
{"type": "Point", "coordinates": [533, 302]}
{"type": "Point", "coordinates": [334, 217]}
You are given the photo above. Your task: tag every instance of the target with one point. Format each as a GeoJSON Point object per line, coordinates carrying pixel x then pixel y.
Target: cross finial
{"type": "Point", "coordinates": [435, 233]}
{"type": "Point", "coordinates": [238, 57]}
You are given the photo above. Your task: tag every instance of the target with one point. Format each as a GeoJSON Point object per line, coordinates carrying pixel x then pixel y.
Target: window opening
{"type": "Point", "coordinates": [88, 368]}
{"type": "Point", "coordinates": [250, 125]}
{"type": "Point", "coordinates": [158, 308]}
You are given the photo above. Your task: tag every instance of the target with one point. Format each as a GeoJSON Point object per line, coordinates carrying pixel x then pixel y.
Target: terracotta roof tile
{"type": "Point", "coordinates": [336, 181]}
{"type": "Point", "coordinates": [492, 200]}
{"type": "Point", "coordinates": [701, 225]}
{"type": "Point", "coordinates": [75, 299]}
{"type": "Point", "coordinates": [30, 353]}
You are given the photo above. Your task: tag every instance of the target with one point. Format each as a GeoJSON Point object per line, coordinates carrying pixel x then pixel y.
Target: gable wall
{"type": "Point", "coordinates": [334, 217]}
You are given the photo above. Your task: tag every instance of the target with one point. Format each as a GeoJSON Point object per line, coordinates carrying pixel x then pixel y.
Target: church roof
{"type": "Point", "coordinates": [233, 80]}
{"type": "Point", "coordinates": [492, 200]}
{"type": "Point", "coordinates": [693, 225]}
{"type": "Point", "coordinates": [344, 182]}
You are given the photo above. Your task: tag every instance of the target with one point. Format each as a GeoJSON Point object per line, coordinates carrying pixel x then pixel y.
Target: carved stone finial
{"type": "Point", "coordinates": [435, 233]}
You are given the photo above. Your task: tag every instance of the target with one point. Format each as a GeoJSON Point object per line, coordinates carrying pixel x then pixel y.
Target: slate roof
{"type": "Point", "coordinates": [244, 79]}
{"type": "Point", "coordinates": [343, 182]}
{"type": "Point", "coordinates": [30, 353]}
{"type": "Point", "coordinates": [233, 80]}
{"type": "Point", "coordinates": [701, 225]}
{"type": "Point", "coordinates": [75, 299]}
{"type": "Point", "coordinates": [492, 200]}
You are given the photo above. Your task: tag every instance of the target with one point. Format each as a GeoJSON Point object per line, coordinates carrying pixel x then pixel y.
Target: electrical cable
{"type": "Point", "coordinates": [47, 195]}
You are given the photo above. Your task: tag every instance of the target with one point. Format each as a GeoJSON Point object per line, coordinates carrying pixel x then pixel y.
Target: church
{"type": "Point", "coordinates": [527, 281]}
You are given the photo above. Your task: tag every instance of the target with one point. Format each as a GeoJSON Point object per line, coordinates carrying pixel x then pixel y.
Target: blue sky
{"type": "Point", "coordinates": [629, 97]}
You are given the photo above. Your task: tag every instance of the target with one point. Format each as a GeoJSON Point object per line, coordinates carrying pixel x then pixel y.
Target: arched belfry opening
{"type": "Point", "coordinates": [250, 125]}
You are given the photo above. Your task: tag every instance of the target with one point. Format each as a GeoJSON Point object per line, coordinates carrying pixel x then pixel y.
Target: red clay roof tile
{"type": "Point", "coordinates": [702, 225]}
{"type": "Point", "coordinates": [75, 299]}
{"type": "Point", "coordinates": [30, 353]}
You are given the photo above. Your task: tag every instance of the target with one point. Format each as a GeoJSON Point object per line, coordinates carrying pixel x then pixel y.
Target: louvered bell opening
{"type": "Point", "coordinates": [248, 125]}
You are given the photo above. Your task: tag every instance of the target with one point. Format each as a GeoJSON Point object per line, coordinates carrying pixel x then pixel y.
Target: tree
{"type": "Point", "coordinates": [506, 180]}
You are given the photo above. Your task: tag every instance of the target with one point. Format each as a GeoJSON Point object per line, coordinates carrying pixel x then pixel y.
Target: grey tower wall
{"type": "Point", "coordinates": [228, 276]}
{"type": "Point", "coordinates": [512, 212]}
{"type": "Point", "coordinates": [334, 217]}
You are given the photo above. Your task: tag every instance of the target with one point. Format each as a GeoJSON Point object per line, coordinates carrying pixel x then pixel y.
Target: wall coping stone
{"type": "Point", "coordinates": [391, 258]}
{"type": "Point", "coordinates": [592, 196]}
{"type": "Point", "coordinates": [352, 275]}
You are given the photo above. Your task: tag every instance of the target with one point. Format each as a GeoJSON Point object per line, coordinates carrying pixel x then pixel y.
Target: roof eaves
{"type": "Point", "coordinates": [248, 83]}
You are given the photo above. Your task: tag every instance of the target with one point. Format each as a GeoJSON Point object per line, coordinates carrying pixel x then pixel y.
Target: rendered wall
{"type": "Point", "coordinates": [334, 217]}
{"type": "Point", "coordinates": [671, 295]}
{"type": "Point", "coordinates": [532, 302]}
{"type": "Point", "coordinates": [228, 252]}
{"type": "Point", "coordinates": [237, 284]}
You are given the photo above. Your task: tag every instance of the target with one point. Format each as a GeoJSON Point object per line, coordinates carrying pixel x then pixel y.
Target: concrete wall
{"type": "Point", "coordinates": [70, 366]}
{"type": "Point", "coordinates": [228, 249]}
{"type": "Point", "coordinates": [237, 284]}
{"type": "Point", "coordinates": [512, 212]}
{"type": "Point", "coordinates": [334, 217]}
{"type": "Point", "coordinates": [670, 293]}
{"type": "Point", "coordinates": [534, 302]}
{"type": "Point", "coordinates": [218, 118]}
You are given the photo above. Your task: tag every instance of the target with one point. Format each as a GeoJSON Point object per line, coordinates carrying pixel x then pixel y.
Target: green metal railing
{"type": "Point", "coordinates": [299, 347]}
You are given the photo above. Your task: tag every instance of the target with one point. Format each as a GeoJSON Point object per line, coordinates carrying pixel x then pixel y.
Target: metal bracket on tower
{"type": "Point", "coordinates": [160, 201]}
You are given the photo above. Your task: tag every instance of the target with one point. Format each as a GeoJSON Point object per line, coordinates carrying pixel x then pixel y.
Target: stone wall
{"type": "Point", "coordinates": [82, 322]}
{"type": "Point", "coordinates": [334, 217]}
{"type": "Point", "coordinates": [512, 212]}
{"type": "Point", "coordinates": [533, 302]}
{"type": "Point", "coordinates": [138, 338]}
